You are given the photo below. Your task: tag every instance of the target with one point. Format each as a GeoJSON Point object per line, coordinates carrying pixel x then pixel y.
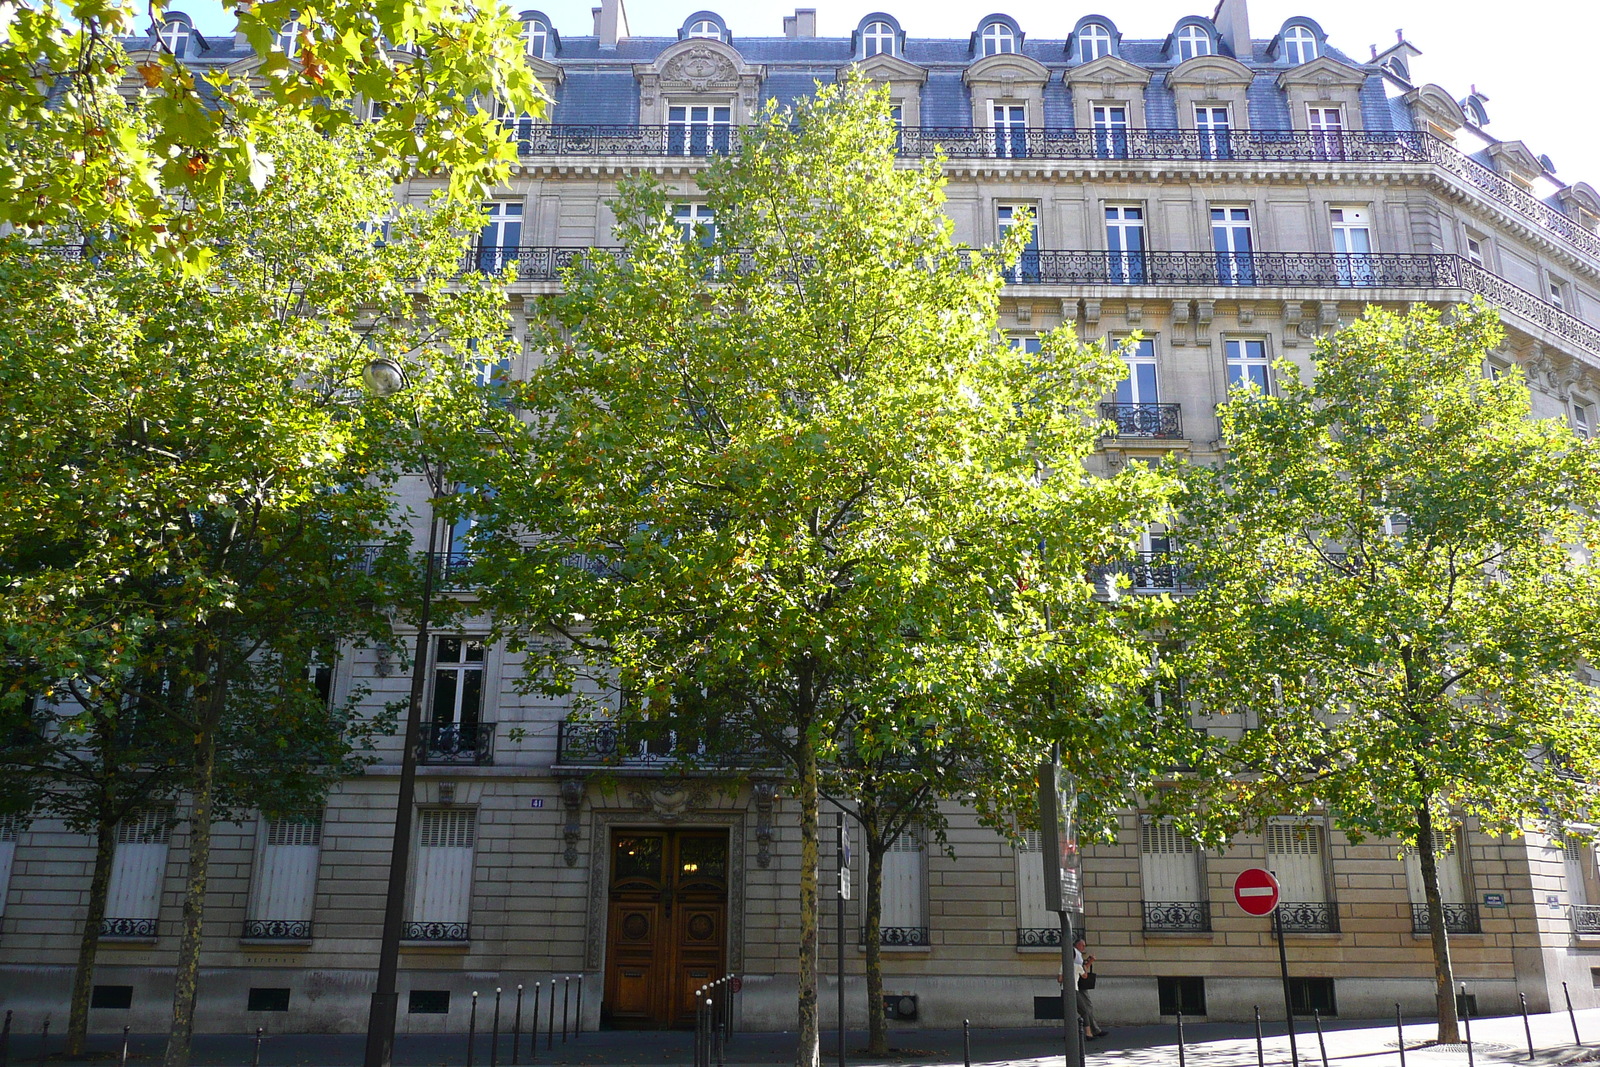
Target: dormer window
{"type": "Point", "coordinates": [174, 37]}
{"type": "Point", "coordinates": [1193, 41]}
{"type": "Point", "coordinates": [705, 28]}
{"type": "Point", "coordinates": [878, 39]}
{"type": "Point", "coordinates": [997, 38]}
{"type": "Point", "coordinates": [1299, 45]}
{"type": "Point", "coordinates": [1094, 41]}
{"type": "Point", "coordinates": [288, 39]}
{"type": "Point", "coordinates": [535, 38]}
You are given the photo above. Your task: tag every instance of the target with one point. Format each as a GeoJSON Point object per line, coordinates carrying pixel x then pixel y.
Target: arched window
{"type": "Point", "coordinates": [997, 38]}
{"type": "Point", "coordinates": [174, 36]}
{"type": "Point", "coordinates": [1299, 44]}
{"type": "Point", "coordinates": [706, 28]}
{"type": "Point", "coordinates": [877, 40]}
{"type": "Point", "coordinates": [1094, 41]}
{"type": "Point", "coordinates": [535, 38]}
{"type": "Point", "coordinates": [1193, 41]}
{"type": "Point", "coordinates": [288, 39]}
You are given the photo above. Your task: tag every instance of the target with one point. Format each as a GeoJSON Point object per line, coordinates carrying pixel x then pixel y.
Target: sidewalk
{"type": "Point", "coordinates": [1350, 1042]}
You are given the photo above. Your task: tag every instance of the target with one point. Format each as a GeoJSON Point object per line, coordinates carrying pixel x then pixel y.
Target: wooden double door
{"type": "Point", "coordinates": [667, 928]}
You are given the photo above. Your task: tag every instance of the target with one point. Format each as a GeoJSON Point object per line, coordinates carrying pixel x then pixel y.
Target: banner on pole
{"type": "Point", "coordinates": [1058, 825]}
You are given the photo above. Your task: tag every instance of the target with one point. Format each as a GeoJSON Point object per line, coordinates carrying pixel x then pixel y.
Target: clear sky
{"type": "Point", "coordinates": [1535, 61]}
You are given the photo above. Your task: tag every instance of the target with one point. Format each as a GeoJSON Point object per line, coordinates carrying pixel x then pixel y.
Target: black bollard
{"type": "Point", "coordinates": [124, 1058]}
{"type": "Point", "coordinates": [1180, 1040]}
{"type": "Point", "coordinates": [494, 1035]}
{"type": "Point", "coordinates": [255, 1059]}
{"type": "Point", "coordinates": [533, 1046]}
{"type": "Point", "coordinates": [1576, 1040]}
{"type": "Point", "coordinates": [699, 1031]}
{"type": "Point", "coordinates": [1261, 1053]}
{"type": "Point", "coordinates": [1526, 1029]}
{"type": "Point", "coordinates": [44, 1041]}
{"type": "Point", "coordinates": [966, 1042]}
{"type": "Point", "coordinates": [566, 995]}
{"type": "Point", "coordinates": [1316, 1017]}
{"type": "Point", "coordinates": [5, 1040]}
{"type": "Point", "coordinates": [1467, 1015]}
{"type": "Point", "coordinates": [577, 1021]}
{"type": "Point", "coordinates": [550, 1023]}
{"type": "Point", "coordinates": [1400, 1033]}
{"type": "Point", "coordinates": [472, 1028]}
{"type": "Point", "coordinates": [711, 1037]}
{"type": "Point", "coordinates": [516, 1029]}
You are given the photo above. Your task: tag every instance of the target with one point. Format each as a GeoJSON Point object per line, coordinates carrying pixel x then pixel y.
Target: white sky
{"type": "Point", "coordinates": [1535, 62]}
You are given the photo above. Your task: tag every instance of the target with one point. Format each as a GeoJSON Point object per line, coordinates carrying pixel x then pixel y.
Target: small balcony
{"type": "Point", "coordinates": [908, 936]}
{"type": "Point", "coordinates": [1309, 917]}
{"type": "Point", "coordinates": [1177, 916]}
{"type": "Point", "coordinates": [438, 933]}
{"type": "Point", "coordinates": [1163, 421]}
{"type": "Point", "coordinates": [1585, 919]}
{"type": "Point", "coordinates": [276, 930]}
{"type": "Point", "coordinates": [1458, 919]}
{"type": "Point", "coordinates": [457, 744]}
{"type": "Point", "coordinates": [124, 927]}
{"type": "Point", "coordinates": [1039, 937]}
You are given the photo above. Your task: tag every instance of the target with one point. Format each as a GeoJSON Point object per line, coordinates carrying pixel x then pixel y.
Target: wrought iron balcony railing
{"type": "Point", "coordinates": [276, 930]}
{"type": "Point", "coordinates": [437, 932]}
{"type": "Point", "coordinates": [1149, 572]}
{"type": "Point", "coordinates": [1177, 915]}
{"type": "Point", "coordinates": [1458, 918]}
{"type": "Point", "coordinates": [1144, 420]}
{"type": "Point", "coordinates": [1585, 919]}
{"type": "Point", "coordinates": [1068, 143]}
{"type": "Point", "coordinates": [1309, 917]}
{"type": "Point", "coordinates": [606, 743]}
{"type": "Point", "coordinates": [906, 936]}
{"type": "Point", "coordinates": [1039, 937]}
{"type": "Point", "coordinates": [465, 744]}
{"type": "Point", "coordinates": [449, 568]}
{"type": "Point", "coordinates": [123, 927]}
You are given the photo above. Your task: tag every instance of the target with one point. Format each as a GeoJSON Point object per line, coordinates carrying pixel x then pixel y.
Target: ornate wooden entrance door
{"type": "Point", "coordinates": [667, 928]}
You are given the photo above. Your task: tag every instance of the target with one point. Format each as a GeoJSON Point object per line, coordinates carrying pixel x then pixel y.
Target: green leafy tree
{"type": "Point", "coordinates": [1397, 597]}
{"type": "Point", "coordinates": [197, 504]}
{"type": "Point", "coordinates": [147, 146]}
{"type": "Point", "coordinates": [785, 476]}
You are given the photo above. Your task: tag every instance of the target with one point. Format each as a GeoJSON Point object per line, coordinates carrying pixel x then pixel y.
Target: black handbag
{"type": "Point", "coordinates": [1086, 980]}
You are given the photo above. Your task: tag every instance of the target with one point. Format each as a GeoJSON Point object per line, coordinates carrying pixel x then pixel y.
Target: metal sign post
{"type": "Point", "coordinates": [843, 854]}
{"type": "Point", "coordinates": [1063, 885]}
{"type": "Point", "coordinates": [1256, 892]}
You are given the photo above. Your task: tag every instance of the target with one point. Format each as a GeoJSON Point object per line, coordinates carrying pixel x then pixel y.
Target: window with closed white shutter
{"type": "Point", "coordinates": [133, 897]}
{"type": "Point", "coordinates": [1171, 886]}
{"type": "Point", "coordinates": [441, 901]}
{"type": "Point", "coordinates": [1036, 924]}
{"type": "Point", "coordinates": [1296, 855]}
{"type": "Point", "coordinates": [10, 830]}
{"type": "Point", "coordinates": [283, 891]}
{"type": "Point", "coordinates": [1455, 888]}
{"type": "Point", "coordinates": [904, 920]}
{"type": "Point", "coordinates": [1578, 863]}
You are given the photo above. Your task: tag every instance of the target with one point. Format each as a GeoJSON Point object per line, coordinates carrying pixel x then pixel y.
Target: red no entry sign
{"type": "Point", "coordinates": [1256, 891]}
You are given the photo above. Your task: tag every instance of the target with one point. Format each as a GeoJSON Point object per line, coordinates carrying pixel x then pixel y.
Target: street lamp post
{"type": "Point", "coordinates": [384, 377]}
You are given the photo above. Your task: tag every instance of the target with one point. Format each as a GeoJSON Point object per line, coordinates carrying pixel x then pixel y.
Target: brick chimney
{"type": "Point", "coordinates": [803, 23]}
{"type": "Point", "coordinates": [1232, 19]}
{"type": "Point", "coordinates": [611, 23]}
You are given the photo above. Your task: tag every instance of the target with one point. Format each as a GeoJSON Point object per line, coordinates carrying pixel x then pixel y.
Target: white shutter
{"type": "Point", "coordinates": [10, 827]}
{"type": "Point", "coordinates": [1031, 912]}
{"type": "Point", "coordinates": [902, 882]}
{"type": "Point", "coordinates": [1572, 855]}
{"type": "Point", "coordinates": [444, 866]}
{"type": "Point", "coordinates": [1169, 865]}
{"type": "Point", "coordinates": [1452, 877]}
{"type": "Point", "coordinates": [286, 873]}
{"type": "Point", "coordinates": [139, 865]}
{"type": "Point", "coordinates": [1295, 856]}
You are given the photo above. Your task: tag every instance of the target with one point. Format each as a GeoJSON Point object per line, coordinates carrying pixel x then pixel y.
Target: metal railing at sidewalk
{"type": "Point", "coordinates": [713, 1021]}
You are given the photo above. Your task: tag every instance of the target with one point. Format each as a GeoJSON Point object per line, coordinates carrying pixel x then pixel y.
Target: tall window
{"type": "Point", "coordinates": [1125, 244]}
{"type": "Point", "coordinates": [10, 830]}
{"type": "Point", "coordinates": [1010, 123]}
{"type": "Point", "coordinates": [1247, 363]}
{"type": "Point", "coordinates": [1583, 417]}
{"type": "Point", "coordinates": [997, 38]}
{"type": "Point", "coordinates": [1558, 293]}
{"type": "Point", "coordinates": [1169, 875]}
{"type": "Point", "coordinates": [501, 236]}
{"type": "Point", "coordinates": [1110, 130]}
{"type": "Point", "coordinates": [1231, 241]}
{"type": "Point", "coordinates": [1193, 41]}
{"type": "Point", "coordinates": [1582, 876]}
{"type": "Point", "coordinates": [1296, 855]}
{"type": "Point", "coordinates": [174, 37]}
{"type": "Point", "coordinates": [1475, 251]}
{"type": "Point", "coordinates": [1037, 926]}
{"type": "Point", "coordinates": [1352, 245]}
{"type": "Point", "coordinates": [706, 28]}
{"type": "Point", "coordinates": [878, 40]}
{"type": "Point", "coordinates": [695, 222]}
{"type": "Point", "coordinates": [1454, 890]}
{"type": "Point", "coordinates": [133, 897]}
{"type": "Point", "coordinates": [1327, 131]}
{"type": "Point", "coordinates": [1027, 267]}
{"type": "Point", "coordinates": [535, 38]}
{"type": "Point", "coordinates": [905, 920]}
{"type": "Point", "coordinates": [284, 889]}
{"type": "Point", "coordinates": [1094, 41]}
{"type": "Point", "coordinates": [288, 39]}
{"type": "Point", "coordinates": [441, 900]}
{"type": "Point", "coordinates": [457, 680]}
{"type": "Point", "coordinates": [698, 129]}
{"type": "Point", "coordinates": [1299, 45]}
{"type": "Point", "coordinates": [1212, 124]}
{"type": "Point", "coordinates": [1139, 387]}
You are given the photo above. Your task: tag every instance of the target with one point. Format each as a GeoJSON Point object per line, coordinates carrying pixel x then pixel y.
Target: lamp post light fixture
{"type": "Point", "coordinates": [383, 377]}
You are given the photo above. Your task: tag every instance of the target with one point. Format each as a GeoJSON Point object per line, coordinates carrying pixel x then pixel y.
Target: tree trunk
{"type": "Point", "coordinates": [808, 1047]}
{"type": "Point", "coordinates": [186, 981]}
{"type": "Point", "coordinates": [1443, 975]}
{"type": "Point", "coordinates": [105, 851]}
{"type": "Point", "coordinates": [872, 926]}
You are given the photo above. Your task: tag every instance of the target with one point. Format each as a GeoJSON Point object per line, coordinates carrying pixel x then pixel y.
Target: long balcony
{"type": "Point", "coordinates": [1163, 421]}
{"type": "Point", "coordinates": [1072, 143]}
{"type": "Point", "coordinates": [1458, 918]}
{"type": "Point", "coordinates": [456, 744]}
{"type": "Point", "coordinates": [595, 743]}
